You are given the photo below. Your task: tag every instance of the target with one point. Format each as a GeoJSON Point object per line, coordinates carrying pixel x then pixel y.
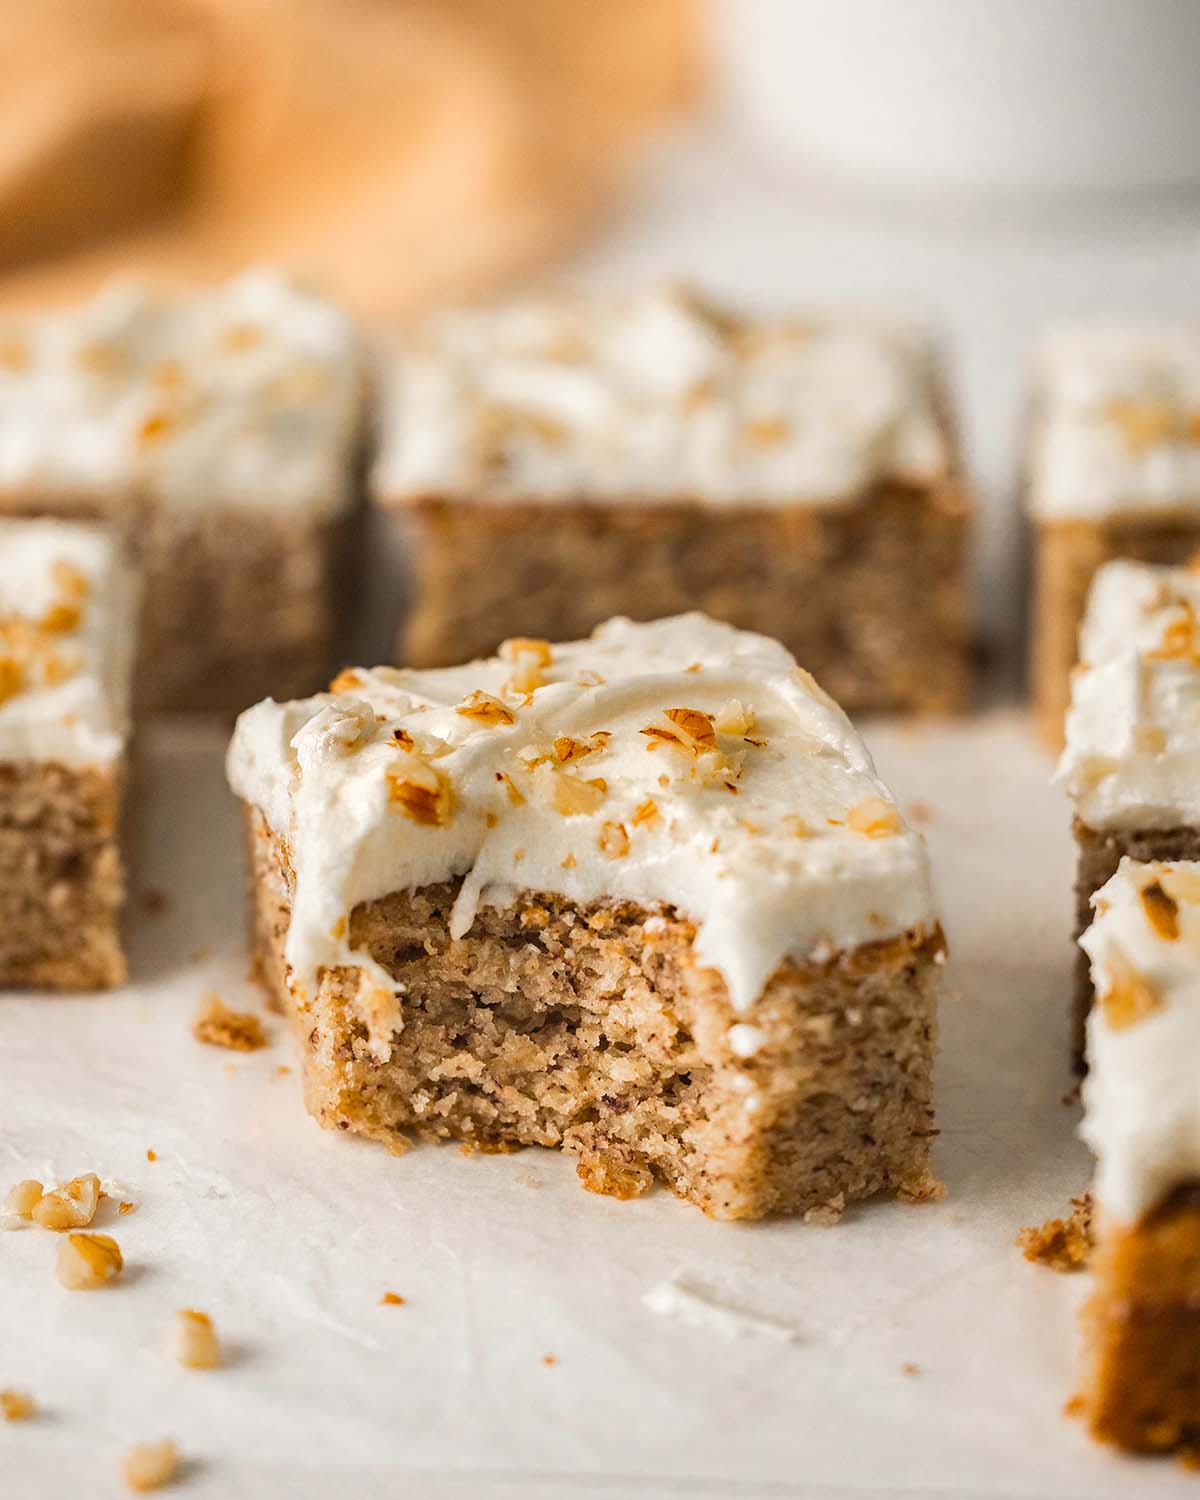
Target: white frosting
{"type": "Point", "coordinates": [250, 394]}
{"type": "Point", "coordinates": [1141, 1096]}
{"type": "Point", "coordinates": [655, 397]}
{"type": "Point", "coordinates": [1117, 422]}
{"type": "Point", "coordinates": [67, 606]}
{"type": "Point", "coordinates": [782, 843]}
{"type": "Point", "coordinates": [1133, 728]}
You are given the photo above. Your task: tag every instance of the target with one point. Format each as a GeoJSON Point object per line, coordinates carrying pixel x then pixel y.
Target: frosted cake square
{"type": "Point", "coordinates": [1113, 471]}
{"type": "Point", "coordinates": [1141, 1389]}
{"type": "Point", "coordinates": [223, 430]}
{"type": "Point", "coordinates": [67, 604]}
{"type": "Point", "coordinates": [640, 896]}
{"type": "Point", "coordinates": [1133, 730]}
{"type": "Point", "coordinates": [565, 460]}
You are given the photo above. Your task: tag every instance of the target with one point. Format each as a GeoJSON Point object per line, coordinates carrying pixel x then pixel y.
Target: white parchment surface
{"type": "Point", "coordinates": [909, 1351]}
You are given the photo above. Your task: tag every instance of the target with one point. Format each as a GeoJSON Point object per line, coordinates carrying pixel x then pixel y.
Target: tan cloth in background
{"type": "Point", "coordinates": [395, 151]}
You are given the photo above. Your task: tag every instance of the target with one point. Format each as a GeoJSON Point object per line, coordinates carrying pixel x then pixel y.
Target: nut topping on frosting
{"type": "Point", "coordinates": [566, 798]}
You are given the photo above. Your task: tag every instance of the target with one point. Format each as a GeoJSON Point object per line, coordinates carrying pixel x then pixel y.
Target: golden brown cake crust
{"type": "Point", "coordinates": [61, 882]}
{"type": "Point", "coordinates": [1066, 557]}
{"type": "Point", "coordinates": [593, 1030]}
{"type": "Point", "coordinates": [868, 595]}
{"type": "Point", "coordinates": [1142, 1326]}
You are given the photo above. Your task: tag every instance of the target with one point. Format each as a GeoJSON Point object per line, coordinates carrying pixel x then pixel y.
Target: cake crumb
{"type": "Point", "coordinates": [217, 1025]}
{"type": "Point", "coordinates": [16, 1406]}
{"type": "Point", "coordinates": [125, 1206]}
{"type": "Point", "coordinates": [194, 1340]}
{"type": "Point", "coordinates": [391, 1299]}
{"type": "Point", "coordinates": [549, 1359]}
{"type": "Point", "coordinates": [86, 1261]}
{"type": "Point", "coordinates": [151, 1155]}
{"type": "Point", "coordinates": [827, 1213]}
{"type": "Point", "coordinates": [150, 1466]}
{"type": "Point", "coordinates": [1061, 1244]}
{"type": "Point", "coordinates": [910, 1367]}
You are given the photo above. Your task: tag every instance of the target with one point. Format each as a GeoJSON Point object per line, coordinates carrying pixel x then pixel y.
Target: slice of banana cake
{"type": "Point", "coordinates": [67, 605]}
{"type": "Point", "coordinates": [640, 896]}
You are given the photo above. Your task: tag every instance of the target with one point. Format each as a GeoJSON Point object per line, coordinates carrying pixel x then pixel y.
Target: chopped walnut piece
{"type": "Point", "coordinates": [646, 814]}
{"type": "Point", "coordinates": [574, 797]}
{"type": "Point", "coordinates": [194, 1340]}
{"type": "Point", "coordinates": [402, 738]}
{"type": "Point", "coordinates": [421, 792]}
{"type": "Point", "coordinates": [1180, 641]}
{"type": "Point", "coordinates": [154, 426]}
{"type": "Point", "coordinates": [687, 729]}
{"type": "Point", "coordinates": [1162, 911]}
{"type": "Point", "coordinates": [482, 708]}
{"type": "Point", "coordinates": [1143, 423]}
{"type": "Point", "coordinates": [16, 1406]}
{"type": "Point", "coordinates": [874, 817]}
{"type": "Point", "coordinates": [734, 717]}
{"type": "Point", "coordinates": [568, 749]}
{"type": "Point", "coordinates": [86, 1261]}
{"type": "Point", "coordinates": [217, 1025]}
{"type": "Point", "coordinates": [1130, 997]}
{"type": "Point", "coordinates": [528, 657]}
{"type": "Point", "coordinates": [614, 841]}
{"type": "Point", "coordinates": [22, 1198]}
{"type": "Point", "coordinates": [60, 619]}
{"type": "Point", "coordinates": [12, 678]}
{"type": "Point", "coordinates": [72, 1206]}
{"type": "Point", "coordinates": [150, 1466]}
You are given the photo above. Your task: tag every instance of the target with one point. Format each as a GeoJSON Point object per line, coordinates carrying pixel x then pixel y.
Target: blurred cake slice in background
{"type": "Point", "coordinates": [223, 431]}
{"type": "Point", "coordinates": [567, 459]}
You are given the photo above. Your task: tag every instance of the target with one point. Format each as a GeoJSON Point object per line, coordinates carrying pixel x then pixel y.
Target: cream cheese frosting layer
{"type": "Point", "coordinates": [681, 762]}
{"type": "Point", "coordinates": [656, 397]}
{"type": "Point", "coordinates": [1133, 728]}
{"type": "Point", "coordinates": [1117, 422]}
{"type": "Point", "coordinates": [1141, 1097]}
{"type": "Point", "coordinates": [67, 607]}
{"type": "Point", "coordinates": [249, 394]}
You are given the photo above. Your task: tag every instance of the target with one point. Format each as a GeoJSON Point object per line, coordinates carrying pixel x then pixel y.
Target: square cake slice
{"type": "Point", "coordinates": [1142, 1119]}
{"type": "Point", "coordinates": [67, 606]}
{"type": "Point", "coordinates": [640, 896]}
{"type": "Point", "coordinates": [569, 459]}
{"type": "Point", "coordinates": [1133, 731]}
{"type": "Point", "coordinates": [224, 430]}
{"type": "Point", "coordinates": [1114, 471]}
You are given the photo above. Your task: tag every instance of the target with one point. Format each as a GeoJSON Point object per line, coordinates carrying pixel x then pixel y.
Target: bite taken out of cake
{"type": "Point", "coordinates": [641, 896]}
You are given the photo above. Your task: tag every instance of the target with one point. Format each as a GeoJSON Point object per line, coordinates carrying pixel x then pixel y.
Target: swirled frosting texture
{"type": "Point", "coordinates": [250, 394]}
{"type": "Point", "coordinates": [67, 606]}
{"type": "Point", "coordinates": [1133, 728]}
{"type": "Point", "coordinates": [1141, 1099]}
{"type": "Point", "coordinates": [681, 762]}
{"type": "Point", "coordinates": [656, 397]}
{"type": "Point", "coordinates": [1117, 422]}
